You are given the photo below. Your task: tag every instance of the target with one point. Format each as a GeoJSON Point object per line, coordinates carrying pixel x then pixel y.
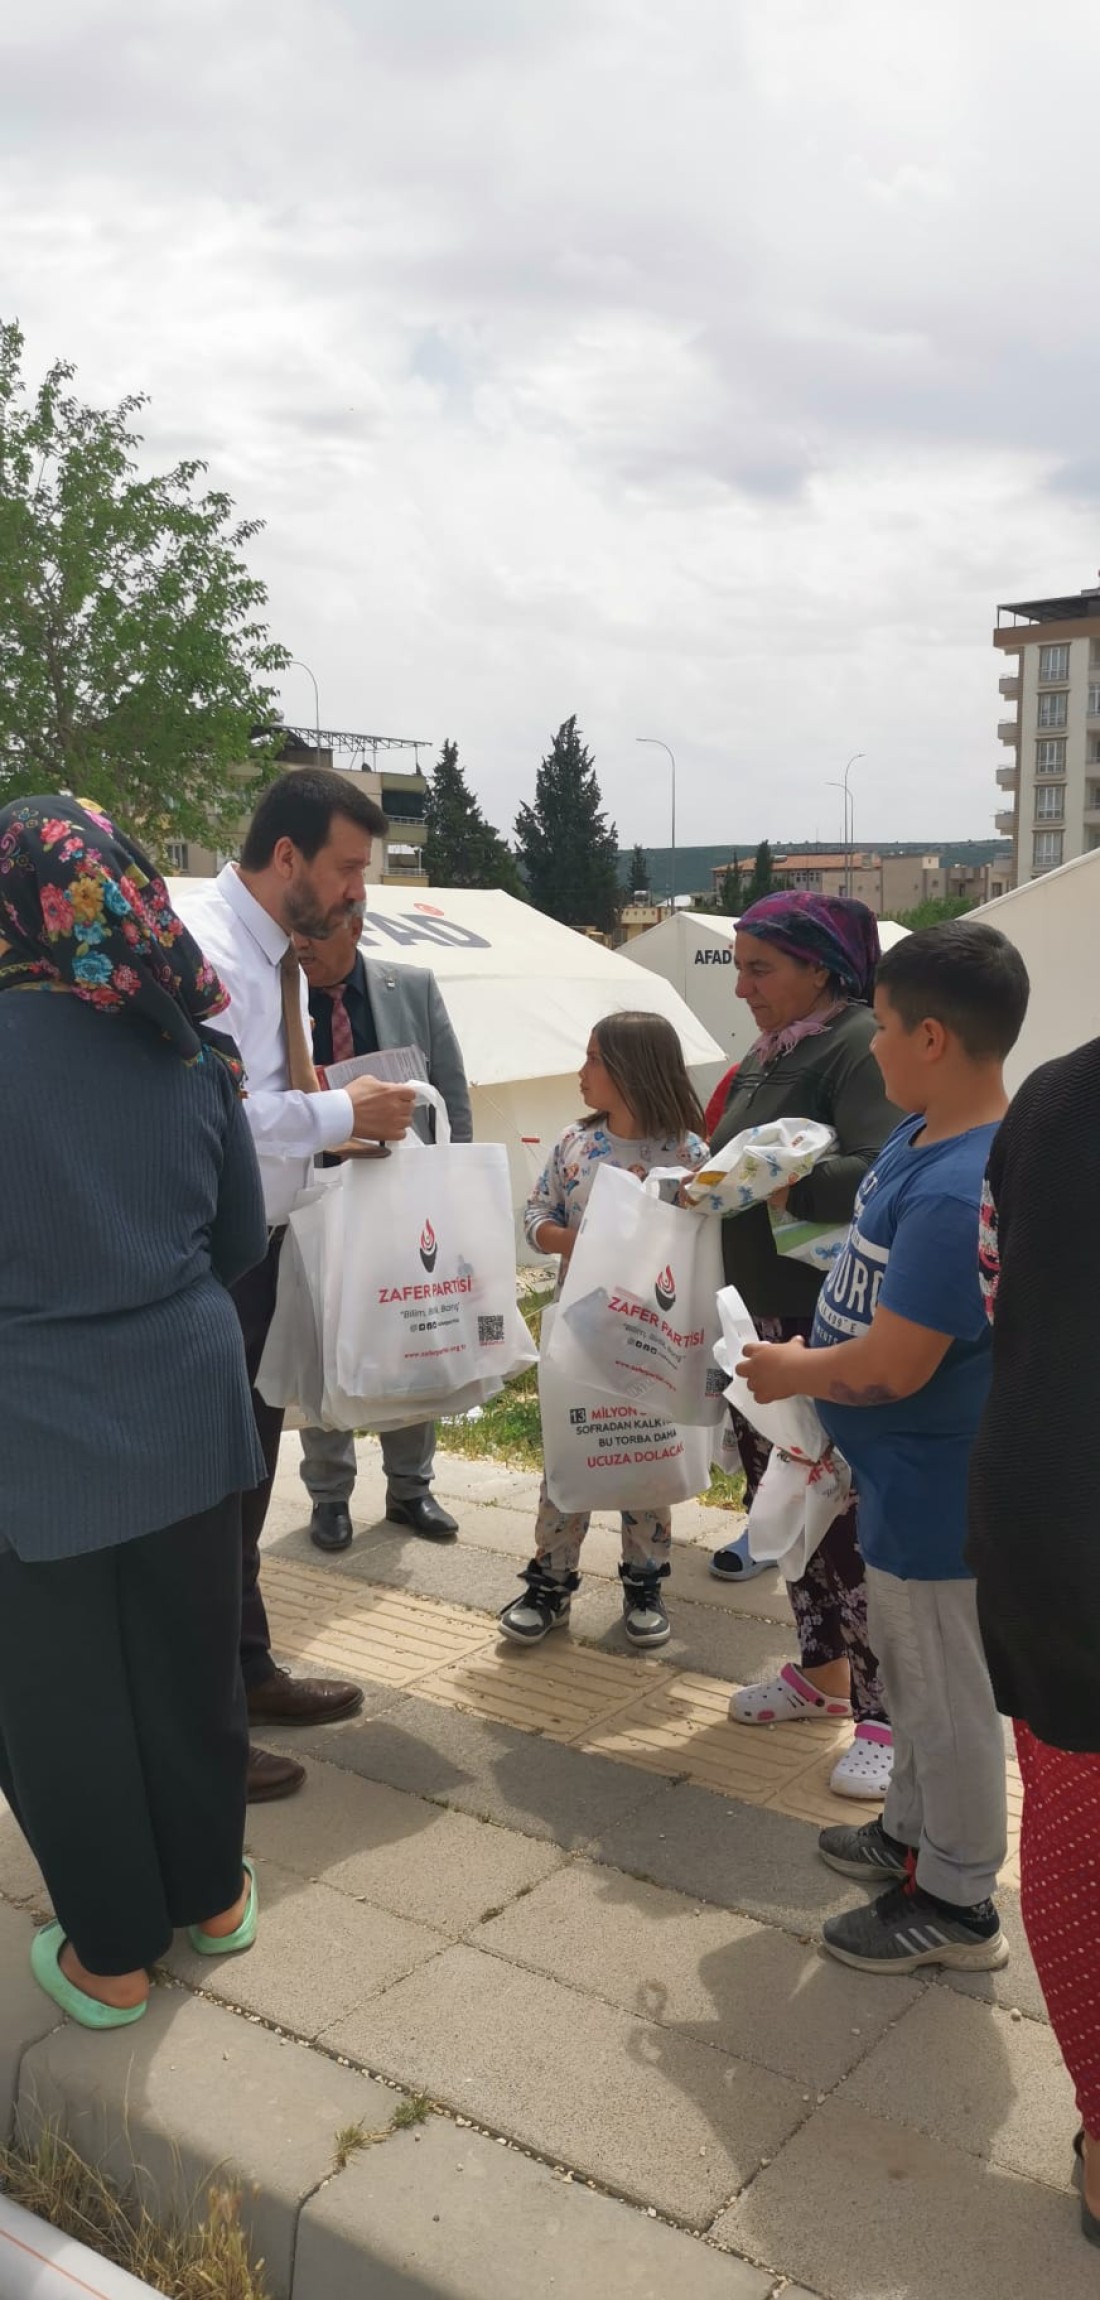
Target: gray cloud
{"type": "Point", "coordinates": [713, 366]}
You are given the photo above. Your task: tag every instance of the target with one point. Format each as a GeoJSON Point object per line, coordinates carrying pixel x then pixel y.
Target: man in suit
{"type": "Point", "coordinates": [361, 1005]}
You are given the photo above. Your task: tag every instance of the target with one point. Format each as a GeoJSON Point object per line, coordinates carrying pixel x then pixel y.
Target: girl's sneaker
{"type": "Point", "coordinates": [785, 1699]}
{"type": "Point", "coordinates": [866, 1767]}
{"type": "Point", "coordinates": [544, 1606]}
{"type": "Point", "coordinates": [644, 1618]}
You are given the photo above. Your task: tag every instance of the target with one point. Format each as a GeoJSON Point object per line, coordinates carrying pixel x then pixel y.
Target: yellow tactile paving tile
{"type": "Point", "coordinates": [562, 1691]}
{"type": "Point", "coordinates": [682, 1727]}
{"type": "Point", "coordinates": [350, 1626]}
{"type": "Point", "coordinates": [637, 1711]}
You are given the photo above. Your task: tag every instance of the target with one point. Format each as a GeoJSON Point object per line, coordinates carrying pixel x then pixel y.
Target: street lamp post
{"type": "Point", "coordinates": [295, 665]}
{"type": "Point", "coordinates": [849, 820]}
{"type": "Point", "coordinates": [661, 746]}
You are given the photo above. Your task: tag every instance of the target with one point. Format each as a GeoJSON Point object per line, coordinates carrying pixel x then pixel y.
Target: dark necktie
{"type": "Point", "coordinates": [343, 1043]}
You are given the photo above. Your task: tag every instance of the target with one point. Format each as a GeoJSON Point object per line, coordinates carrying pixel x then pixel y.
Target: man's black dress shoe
{"type": "Point", "coordinates": [423, 1516]}
{"type": "Point", "coordinates": [330, 1527]}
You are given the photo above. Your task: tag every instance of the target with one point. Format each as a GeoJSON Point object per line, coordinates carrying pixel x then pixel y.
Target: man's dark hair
{"type": "Point", "coordinates": [299, 806]}
{"type": "Point", "coordinates": [965, 975]}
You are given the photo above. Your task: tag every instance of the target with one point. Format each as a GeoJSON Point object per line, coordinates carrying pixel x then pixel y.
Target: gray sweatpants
{"type": "Point", "coordinates": [328, 1462]}
{"type": "Point", "coordinates": [947, 1795]}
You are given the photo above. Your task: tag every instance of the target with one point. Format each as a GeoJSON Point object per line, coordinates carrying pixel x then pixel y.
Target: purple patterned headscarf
{"type": "Point", "coordinates": [822, 930]}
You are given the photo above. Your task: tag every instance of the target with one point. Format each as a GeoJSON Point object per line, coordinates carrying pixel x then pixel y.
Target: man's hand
{"type": "Point", "coordinates": [774, 1370]}
{"type": "Point", "coordinates": [381, 1113]}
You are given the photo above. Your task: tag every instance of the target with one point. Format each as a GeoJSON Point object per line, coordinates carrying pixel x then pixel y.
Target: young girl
{"type": "Point", "coordinates": [644, 1113]}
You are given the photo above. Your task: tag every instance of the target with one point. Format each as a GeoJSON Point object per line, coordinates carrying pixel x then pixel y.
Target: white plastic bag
{"type": "Point", "coordinates": [427, 1274]}
{"type": "Point", "coordinates": [793, 1423]}
{"type": "Point", "coordinates": [432, 1230]}
{"type": "Point", "coordinates": [637, 1316]}
{"type": "Point", "coordinates": [807, 1483]}
{"type": "Point", "coordinates": [758, 1162]}
{"type": "Point", "coordinates": [601, 1453]}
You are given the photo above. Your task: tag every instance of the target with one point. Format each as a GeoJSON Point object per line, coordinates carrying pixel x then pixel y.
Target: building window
{"type": "Point", "coordinates": [1053, 664]}
{"type": "Point", "coordinates": [1052, 710]}
{"type": "Point", "coordinates": [1050, 803]}
{"type": "Point", "coordinates": [1094, 701]}
{"type": "Point", "coordinates": [1050, 757]}
{"type": "Point", "coordinates": [1046, 852]}
{"type": "Point", "coordinates": [175, 852]}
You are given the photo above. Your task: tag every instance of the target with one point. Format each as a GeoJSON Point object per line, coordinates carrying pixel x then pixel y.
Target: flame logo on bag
{"type": "Point", "coordinates": [665, 1289]}
{"type": "Point", "coordinates": [429, 1246]}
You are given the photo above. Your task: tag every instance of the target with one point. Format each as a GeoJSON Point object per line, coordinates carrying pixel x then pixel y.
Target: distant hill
{"type": "Point", "coordinates": [695, 864]}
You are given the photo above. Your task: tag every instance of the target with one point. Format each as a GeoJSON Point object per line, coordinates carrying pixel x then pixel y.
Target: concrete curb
{"type": "Point", "coordinates": [198, 2097]}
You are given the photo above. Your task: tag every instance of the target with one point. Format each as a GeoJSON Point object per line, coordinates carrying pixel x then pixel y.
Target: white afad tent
{"type": "Point", "coordinates": [693, 952]}
{"type": "Point", "coordinates": [1054, 922]}
{"type": "Point", "coordinates": [523, 994]}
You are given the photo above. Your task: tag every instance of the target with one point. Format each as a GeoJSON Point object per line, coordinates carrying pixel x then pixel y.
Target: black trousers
{"type": "Point", "coordinates": [254, 1296]}
{"type": "Point", "coordinates": [123, 1734]}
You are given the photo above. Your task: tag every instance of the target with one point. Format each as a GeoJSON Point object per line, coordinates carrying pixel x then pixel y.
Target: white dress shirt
{"type": "Point", "coordinates": [246, 946]}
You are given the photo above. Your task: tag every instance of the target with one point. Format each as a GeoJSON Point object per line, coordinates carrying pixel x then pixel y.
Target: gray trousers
{"type": "Point", "coordinates": [947, 1795]}
{"type": "Point", "coordinates": [328, 1462]}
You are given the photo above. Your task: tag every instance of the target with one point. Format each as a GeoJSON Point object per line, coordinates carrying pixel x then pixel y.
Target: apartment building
{"type": "Point", "coordinates": [1053, 735]}
{"type": "Point", "coordinates": [891, 883]}
{"type": "Point", "coordinates": [395, 861]}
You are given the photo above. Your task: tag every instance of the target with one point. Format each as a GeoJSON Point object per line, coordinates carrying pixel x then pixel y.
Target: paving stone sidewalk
{"type": "Point", "coordinates": [597, 1977]}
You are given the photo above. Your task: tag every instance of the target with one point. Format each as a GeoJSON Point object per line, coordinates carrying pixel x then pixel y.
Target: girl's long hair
{"type": "Point", "coordinates": [643, 1054]}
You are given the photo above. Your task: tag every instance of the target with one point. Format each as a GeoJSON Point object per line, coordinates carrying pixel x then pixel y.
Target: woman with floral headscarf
{"type": "Point", "coordinates": [805, 967]}
{"type": "Point", "coordinates": [131, 1200]}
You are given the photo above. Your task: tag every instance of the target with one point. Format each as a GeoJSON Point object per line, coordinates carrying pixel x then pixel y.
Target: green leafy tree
{"type": "Point", "coordinates": [462, 849]}
{"type": "Point", "coordinates": [763, 880]}
{"type": "Point", "coordinates": [732, 890]}
{"type": "Point", "coordinates": [568, 851]}
{"type": "Point", "coordinates": [637, 873]}
{"type": "Point", "coordinates": [935, 911]}
{"type": "Point", "coordinates": [133, 654]}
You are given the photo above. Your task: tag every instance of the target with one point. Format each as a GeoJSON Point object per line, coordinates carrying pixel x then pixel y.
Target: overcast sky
{"type": "Point", "coordinates": [709, 368]}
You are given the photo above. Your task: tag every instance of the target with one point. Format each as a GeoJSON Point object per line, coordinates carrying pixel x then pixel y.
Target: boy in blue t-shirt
{"type": "Point", "coordinates": [899, 1361]}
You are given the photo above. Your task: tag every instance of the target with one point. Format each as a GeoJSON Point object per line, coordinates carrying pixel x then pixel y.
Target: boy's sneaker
{"type": "Point", "coordinates": [905, 1929]}
{"type": "Point", "coordinates": [644, 1618]}
{"type": "Point", "coordinates": [867, 1853]}
{"type": "Point", "coordinates": [544, 1606]}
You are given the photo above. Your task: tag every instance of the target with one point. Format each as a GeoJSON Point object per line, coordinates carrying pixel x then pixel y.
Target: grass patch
{"type": "Point", "coordinates": [209, 2261]}
{"type": "Point", "coordinates": [509, 1428]}
{"type": "Point", "coordinates": [415, 2110]}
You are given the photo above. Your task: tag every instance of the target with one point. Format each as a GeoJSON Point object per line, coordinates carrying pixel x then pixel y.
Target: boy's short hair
{"type": "Point", "coordinates": [299, 805]}
{"type": "Point", "coordinates": [964, 975]}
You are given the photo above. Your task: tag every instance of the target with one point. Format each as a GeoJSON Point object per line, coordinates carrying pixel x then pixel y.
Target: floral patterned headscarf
{"type": "Point", "coordinates": [84, 910]}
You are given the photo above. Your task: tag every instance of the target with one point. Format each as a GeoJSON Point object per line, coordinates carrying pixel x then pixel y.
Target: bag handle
{"type": "Point", "coordinates": [432, 1096]}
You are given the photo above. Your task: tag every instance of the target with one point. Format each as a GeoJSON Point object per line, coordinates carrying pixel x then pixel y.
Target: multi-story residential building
{"type": "Point", "coordinates": [1053, 774]}
{"type": "Point", "coordinates": [395, 861]}
{"type": "Point", "coordinates": [890, 883]}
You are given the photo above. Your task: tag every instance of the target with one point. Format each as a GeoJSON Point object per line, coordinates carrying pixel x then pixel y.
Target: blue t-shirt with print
{"type": "Point", "coordinates": [913, 1247]}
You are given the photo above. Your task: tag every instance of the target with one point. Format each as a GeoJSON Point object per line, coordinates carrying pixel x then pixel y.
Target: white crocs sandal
{"type": "Point", "coordinates": [865, 1769]}
{"type": "Point", "coordinates": [784, 1699]}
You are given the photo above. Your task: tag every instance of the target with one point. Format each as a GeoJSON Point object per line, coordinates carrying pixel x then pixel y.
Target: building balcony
{"type": "Point", "coordinates": [1009, 686]}
{"type": "Point", "coordinates": [1006, 778]}
{"type": "Point", "coordinates": [1008, 731]}
{"type": "Point", "coordinates": [403, 866]}
{"type": "Point", "coordinates": [1005, 824]}
{"type": "Point", "coordinates": [1091, 817]}
{"type": "Point", "coordinates": [407, 830]}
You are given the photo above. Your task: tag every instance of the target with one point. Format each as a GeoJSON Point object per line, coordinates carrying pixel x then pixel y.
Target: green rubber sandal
{"type": "Point", "coordinates": [46, 1950]}
{"type": "Point", "coordinates": [231, 1944]}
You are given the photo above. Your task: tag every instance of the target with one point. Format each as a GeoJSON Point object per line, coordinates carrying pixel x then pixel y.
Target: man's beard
{"type": "Point", "coordinates": [305, 916]}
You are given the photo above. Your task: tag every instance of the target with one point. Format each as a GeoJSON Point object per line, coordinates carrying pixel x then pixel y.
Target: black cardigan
{"type": "Point", "coordinates": [1035, 1469]}
{"type": "Point", "coordinates": [833, 1077]}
